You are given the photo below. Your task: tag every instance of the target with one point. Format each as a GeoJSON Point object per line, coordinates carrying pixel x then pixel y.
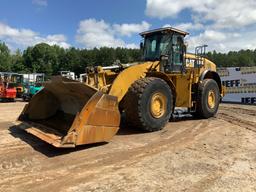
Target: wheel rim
{"type": "Point", "coordinates": [158, 105]}
{"type": "Point", "coordinates": [211, 99]}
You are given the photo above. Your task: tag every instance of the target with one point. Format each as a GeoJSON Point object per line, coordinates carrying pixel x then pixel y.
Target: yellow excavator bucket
{"type": "Point", "coordinates": [68, 113]}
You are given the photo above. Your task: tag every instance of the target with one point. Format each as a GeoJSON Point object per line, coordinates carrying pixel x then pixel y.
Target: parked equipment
{"type": "Point", "coordinates": [68, 74]}
{"type": "Point", "coordinates": [68, 113]}
{"type": "Point", "coordinates": [7, 86]}
{"type": "Point", "coordinates": [33, 84]}
{"type": "Point", "coordinates": [83, 77]}
{"type": "Point", "coordinates": [19, 85]}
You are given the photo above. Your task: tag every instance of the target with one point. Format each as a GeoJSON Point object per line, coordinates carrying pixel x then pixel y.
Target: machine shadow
{"type": "Point", "coordinates": [183, 117]}
{"type": "Point", "coordinates": [128, 129]}
{"type": "Point", "coordinates": [51, 151]}
{"type": "Point", "coordinates": [45, 148]}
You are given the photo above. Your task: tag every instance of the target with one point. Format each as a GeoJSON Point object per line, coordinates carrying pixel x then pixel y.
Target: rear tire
{"type": "Point", "coordinates": [208, 99]}
{"type": "Point", "coordinates": [148, 104]}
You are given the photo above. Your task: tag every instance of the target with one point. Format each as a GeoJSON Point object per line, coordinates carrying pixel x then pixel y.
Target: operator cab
{"type": "Point", "coordinates": [167, 46]}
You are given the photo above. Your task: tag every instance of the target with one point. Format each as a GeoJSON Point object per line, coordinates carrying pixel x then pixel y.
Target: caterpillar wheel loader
{"type": "Point", "coordinates": [67, 113]}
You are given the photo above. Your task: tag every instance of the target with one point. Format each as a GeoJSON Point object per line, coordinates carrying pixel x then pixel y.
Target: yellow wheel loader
{"type": "Point", "coordinates": [67, 113]}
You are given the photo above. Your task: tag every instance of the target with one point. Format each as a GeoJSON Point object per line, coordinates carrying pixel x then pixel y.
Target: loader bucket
{"type": "Point", "coordinates": [68, 113]}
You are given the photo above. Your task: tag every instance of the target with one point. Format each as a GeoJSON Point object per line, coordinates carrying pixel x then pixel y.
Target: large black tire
{"type": "Point", "coordinates": [205, 108]}
{"type": "Point", "coordinates": [138, 106]}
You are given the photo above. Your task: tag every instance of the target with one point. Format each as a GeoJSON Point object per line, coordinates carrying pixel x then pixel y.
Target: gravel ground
{"type": "Point", "coordinates": [216, 154]}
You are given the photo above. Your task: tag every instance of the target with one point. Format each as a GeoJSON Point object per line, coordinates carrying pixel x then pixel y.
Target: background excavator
{"type": "Point", "coordinates": [67, 113]}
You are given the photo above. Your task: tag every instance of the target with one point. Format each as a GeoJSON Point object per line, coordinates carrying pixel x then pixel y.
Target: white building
{"type": "Point", "coordinates": [240, 83]}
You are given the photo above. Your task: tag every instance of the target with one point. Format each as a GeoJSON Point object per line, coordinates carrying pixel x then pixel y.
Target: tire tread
{"type": "Point", "coordinates": [132, 102]}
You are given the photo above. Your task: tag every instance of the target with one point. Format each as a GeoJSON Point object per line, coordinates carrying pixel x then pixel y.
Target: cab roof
{"type": "Point", "coordinates": [164, 29]}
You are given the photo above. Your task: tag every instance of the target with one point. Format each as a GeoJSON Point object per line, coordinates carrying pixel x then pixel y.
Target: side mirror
{"type": "Point", "coordinates": [141, 46]}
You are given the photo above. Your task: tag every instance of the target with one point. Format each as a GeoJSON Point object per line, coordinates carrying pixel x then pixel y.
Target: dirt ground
{"type": "Point", "coordinates": [217, 154]}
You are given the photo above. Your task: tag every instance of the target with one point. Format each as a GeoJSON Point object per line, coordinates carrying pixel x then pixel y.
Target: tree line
{"type": "Point", "coordinates": [242, 58]}
{"type": "Point", "coordinates": [43, 58]}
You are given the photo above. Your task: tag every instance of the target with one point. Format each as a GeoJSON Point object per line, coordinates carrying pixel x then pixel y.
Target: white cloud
{"type": "Point", "coordinates": [21, 38]}
{"type": "Point", "coordinates": [223, 24]}
{"type": "Point", "coordinates": [93, 33]}
{"type": "Point", "coordinates": [129, 29]}
{"type": "Point", "coordinates": [97, 33]}
{"type": "Point", "coordinates": [132, 46]}
{"type": "Point", "coordinates": [223, 41]}
{"type": "Point", "coordinates": [40, 2]}
{"type": "Point", "coordinates": [186, 26]}
{"type": "Point", "coordinates": [231, 14]}
{"type": "Point", "coordinates": [170, 8]}
{"type": "Point", "coordinates": [57, 39]}
{"type": "Point", "coordinates": [189, 26]}
{"type": "Point", "coordinates": [163, 8]}
{"type": "Point", "coordinates": [210, 37]}
{"type": "Point", "coordinates": [224, 13]}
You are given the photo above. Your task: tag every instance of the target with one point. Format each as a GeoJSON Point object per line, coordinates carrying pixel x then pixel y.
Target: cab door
{"type": "Point", "coordinates": [179, 75]}
{"type": "Point", "coordinates": [177, 57]}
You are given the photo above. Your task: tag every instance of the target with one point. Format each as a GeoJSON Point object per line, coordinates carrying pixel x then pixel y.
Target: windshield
{"type": "Point", "coordinates": [156, 45]}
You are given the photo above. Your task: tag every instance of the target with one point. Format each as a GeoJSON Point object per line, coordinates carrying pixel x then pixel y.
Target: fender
{"type": "Point", "coordinates": [165, 78]}
{"type": "Point", "coordinates": [208, 74]}
{"type": "Point", "coordinates": [126, 78]}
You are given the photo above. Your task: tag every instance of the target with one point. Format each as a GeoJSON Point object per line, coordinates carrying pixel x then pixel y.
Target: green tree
{"type": "Point", "coordinates": [52, 59]}
{"type": "Point", "coordinates": [73, 61]}
{"type": "Point", "coordinates": [42, 58]}
{"type": "Point", "coordinates": [5, 57]}
{"type": "Point", "coordinates": [17, 63]}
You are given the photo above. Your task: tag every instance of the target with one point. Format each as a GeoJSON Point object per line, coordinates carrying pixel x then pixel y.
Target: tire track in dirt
{"type": "Point", "coordinates": [233, 116]}
{"type": "Point", "coordinates": [26, 169]}
{"type": "Point", "coordinates": [179, 146]}
{"type": "Point", "coordinates": [101, 163]}
{"type": "Point", "coordinates": [240, 110]}
{"type": "Point", "coordinates": [116, 161]}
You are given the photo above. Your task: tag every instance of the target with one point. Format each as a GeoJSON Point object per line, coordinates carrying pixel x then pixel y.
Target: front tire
{"type": "Point", "coordinates": [148, 104]}
{"type": "Point", "coordinates": [208, 98]}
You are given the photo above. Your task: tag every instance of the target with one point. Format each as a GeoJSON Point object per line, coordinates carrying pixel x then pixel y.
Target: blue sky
{"type": "Point", "coordinates": [222, 24]}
